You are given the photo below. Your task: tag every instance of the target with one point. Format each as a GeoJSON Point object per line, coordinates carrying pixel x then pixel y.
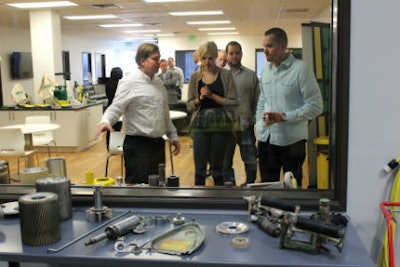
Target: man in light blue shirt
{"type": "Point", "coordinates": [289, 99]}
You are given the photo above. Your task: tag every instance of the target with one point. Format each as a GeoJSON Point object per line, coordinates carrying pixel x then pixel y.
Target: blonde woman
{"type": "Point", "coordinates": [213, 103]}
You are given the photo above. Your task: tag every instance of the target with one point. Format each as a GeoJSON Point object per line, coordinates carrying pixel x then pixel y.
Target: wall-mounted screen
{"type": "Point", "coordinates": [21, 65]}
{"type": "Point", "coordinates": [184, 60]}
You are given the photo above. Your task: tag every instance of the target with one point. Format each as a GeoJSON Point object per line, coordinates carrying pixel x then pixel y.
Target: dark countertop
{"type": "Point", "coordinates": [217, 249]}
{"type": "Point", "coordinates": [77, 107]}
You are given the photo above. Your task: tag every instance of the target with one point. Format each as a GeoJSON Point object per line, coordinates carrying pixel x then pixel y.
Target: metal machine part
{"type": "Point", "coordinates": [318, 234]}
{"type": "Point", "coordinates": [122, 247]}
{"type": "Point", "coordinates": [179, 219]}
{"type": "Point", "coordinates": [232, 228]}
{"type": "Point", "coordinates": [282, 216]}
{"type": "Point", "coordinates": [114, 231]}
{"type": "Point", "coordinates": [98, 212]}
{"type": "Point", "coordinates": [272, 229]}
{"type": "Point", "coordinates": [55, 250]}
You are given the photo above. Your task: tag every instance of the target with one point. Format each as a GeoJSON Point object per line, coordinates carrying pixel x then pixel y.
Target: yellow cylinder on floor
{"type": "Point", "coordinates": [322, 144]}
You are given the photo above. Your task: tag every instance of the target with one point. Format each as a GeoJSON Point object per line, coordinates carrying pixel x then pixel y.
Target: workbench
{"type": "Point", "coordinates": [217, 250]}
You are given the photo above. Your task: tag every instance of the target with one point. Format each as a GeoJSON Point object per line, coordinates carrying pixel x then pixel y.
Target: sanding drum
{"type": "Point", "coordinates": [40, 219]}
{"type": "Point", "coordinates": [62, 187]}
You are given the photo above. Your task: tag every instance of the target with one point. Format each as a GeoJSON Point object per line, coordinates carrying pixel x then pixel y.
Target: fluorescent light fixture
{"type": "Point", "coordinates": [196, 13]}
{"type": "Point", "coordinates": [167, 1]}
{"type": "Point", "coordinates": [207, 22]}
{"type": "Point", "coordinates": [42, 4]}
{"type": "Point", "coordinates": [125, 25]}
{"type": "Point", "coordinates": [142, 31]}
{"type": "Point", "coordinates": [159, 35]}
{"type": "Point", "coordinates": [223, 33]}
{"type": "Point", "coordinates": [88, 17]}
{"type": "Point", "coordinates": [218, 29]}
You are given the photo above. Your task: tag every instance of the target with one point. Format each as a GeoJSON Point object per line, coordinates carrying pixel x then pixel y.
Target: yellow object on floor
{"type": "Point", "coordinates": [322, 144]}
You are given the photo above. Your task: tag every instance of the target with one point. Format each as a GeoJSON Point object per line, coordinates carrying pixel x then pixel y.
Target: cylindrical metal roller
{"type": "Point", "coordinates": [282, 204]}
{"type": "Point", "coordinates": [40, 218]}
{"type": "Point", "coordinates": [319, 227]}
{"type": "Point", "coordinates": [62, 187]}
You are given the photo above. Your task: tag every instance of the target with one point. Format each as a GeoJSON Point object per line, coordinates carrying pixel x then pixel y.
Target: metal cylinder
{"type": "Point", "coordinates": [40, 219]}
{"type": "Point", "coordinates": [56, 166]}
{"type": "Point", "coordinates": [4, 172]}
{"type": "Point", "coordinates": [62, 187]}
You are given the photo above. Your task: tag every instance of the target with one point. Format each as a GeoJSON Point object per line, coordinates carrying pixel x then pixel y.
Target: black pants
{"type": "Point", "coordinates": [142, 156]}
{"type": "Point", "coordinates": [272, 158]}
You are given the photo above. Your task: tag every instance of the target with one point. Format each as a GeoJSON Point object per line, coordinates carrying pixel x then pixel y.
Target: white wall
{"type": "Point", "coordinates": [374, 107]}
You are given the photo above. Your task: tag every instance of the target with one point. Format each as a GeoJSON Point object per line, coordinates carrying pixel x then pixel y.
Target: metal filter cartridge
{"type": "Point", "coordinates": [62, 187]}
{"type": "Point", "coordinates": [39, 219]}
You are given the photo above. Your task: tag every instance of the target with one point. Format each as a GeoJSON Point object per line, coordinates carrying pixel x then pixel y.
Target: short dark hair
{"type": "Point", "coordinates": [233, 43]}
{"type": "Point", "coordinates": [279, 34]}
{"type": "Point", "coordinates": [144, 51]}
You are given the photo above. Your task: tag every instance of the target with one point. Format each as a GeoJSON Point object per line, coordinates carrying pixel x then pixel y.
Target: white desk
{"type": "Point", "coordinates": [30, 128]}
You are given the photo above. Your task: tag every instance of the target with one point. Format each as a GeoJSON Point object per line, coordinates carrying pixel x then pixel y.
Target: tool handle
{"type": "Point", "coordinates": [319, 227]}
{"type": "Point", "coordinates": [277, 203]}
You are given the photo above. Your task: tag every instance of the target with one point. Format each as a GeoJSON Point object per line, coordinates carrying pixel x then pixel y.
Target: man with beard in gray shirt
{"type": "Point", "coordinates": [248, 91]}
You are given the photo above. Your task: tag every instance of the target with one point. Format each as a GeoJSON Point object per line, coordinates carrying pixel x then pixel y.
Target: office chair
{"type": "Point", "coordinates": [41, 138]}
{"type": "Point", "coordinates": [115, 148]}
{"type": "Point", "coordinates": [12, 144]}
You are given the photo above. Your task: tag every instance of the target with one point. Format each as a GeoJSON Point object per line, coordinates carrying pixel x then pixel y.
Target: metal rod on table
{"type": "Point", "coordinates": [55, 250]}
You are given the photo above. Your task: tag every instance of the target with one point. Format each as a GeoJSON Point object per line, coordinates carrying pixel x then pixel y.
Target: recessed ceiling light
{"type": "Point", "coordinates": [90, 17]}
{"type": "Point", "coordinates": [196, 13]}
{"type": "Point", "coordinates": [222, 33]}
{"type": "Point", "coordinates": [125, 25]}
{"type": "Point", "coordinates": [206, 22]}
{"type": "Point", "coordinates": [142, 31]}
{"type": "Point", "coordinates": [218, 29]}
{"type": "Point", "coordinates": [42, 4]}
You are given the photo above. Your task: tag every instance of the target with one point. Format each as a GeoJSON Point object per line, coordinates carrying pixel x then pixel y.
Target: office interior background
{"type": "Point", "coordinates": [374, 101]}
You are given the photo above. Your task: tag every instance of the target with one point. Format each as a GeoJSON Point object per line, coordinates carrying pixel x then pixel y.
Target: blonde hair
{"type": "Point", "coordinates": [208, 47]}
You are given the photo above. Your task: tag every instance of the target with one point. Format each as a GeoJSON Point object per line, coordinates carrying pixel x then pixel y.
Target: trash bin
{"type": "Point", "coordinates": [4, 172]}
{"type": "Point", "coordinates": [322, 144]}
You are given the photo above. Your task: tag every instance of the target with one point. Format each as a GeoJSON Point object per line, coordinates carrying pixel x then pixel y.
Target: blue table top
{"type": "Point", "coordinates": [217, 249]}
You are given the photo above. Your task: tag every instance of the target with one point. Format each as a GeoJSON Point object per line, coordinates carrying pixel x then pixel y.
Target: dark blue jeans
{"type": "Point", "coordinates": [209, 147]}
{"type": "Point", "coordinates": [272, 158]}
{"type": "Point", "coordinates": [142, 156]}
{"type": "Point", "coordinates": [246, 140]}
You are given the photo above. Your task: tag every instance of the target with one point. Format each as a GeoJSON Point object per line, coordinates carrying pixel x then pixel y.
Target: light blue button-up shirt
{"type": "Point", "coordinates": [291, 89]}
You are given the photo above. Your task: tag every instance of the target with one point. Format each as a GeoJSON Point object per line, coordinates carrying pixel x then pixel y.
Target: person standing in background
{"type": "Point", "coordinates": [248, 91]}
{"type": "Point", "coordinates": [221, 58]}
{"type": "Point", "coordinates": [289, 99]}
{"type": "Point", "coordinates": [142, 99]}
{"type": "Point", "coordinates": [111, 87]}
{"type": "Point", "coordinates": [168, 77]}
{"type": "Point", "coordinates": [181, 76]}
{"type": "Point", "coordinates": [212, 102]}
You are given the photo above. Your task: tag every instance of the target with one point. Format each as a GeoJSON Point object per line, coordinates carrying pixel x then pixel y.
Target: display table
{"type": "Point", "coordinates": [217, 249]}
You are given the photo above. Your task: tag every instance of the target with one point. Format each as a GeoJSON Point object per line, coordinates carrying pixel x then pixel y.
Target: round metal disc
{"type": "Point", "coordinates": [232, 228]}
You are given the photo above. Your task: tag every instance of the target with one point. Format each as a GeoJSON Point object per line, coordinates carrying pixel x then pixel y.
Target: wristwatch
{"type": "Point", "coordinates": [283, 116]}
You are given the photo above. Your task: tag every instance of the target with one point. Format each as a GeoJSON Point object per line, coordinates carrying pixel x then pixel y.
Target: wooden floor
{"type": "Point", "coordinates": [94, 158]}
